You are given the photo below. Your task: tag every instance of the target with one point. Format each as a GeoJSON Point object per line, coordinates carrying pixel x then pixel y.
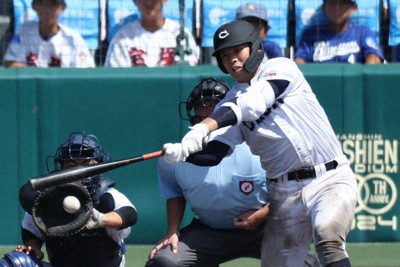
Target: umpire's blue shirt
{"type": "Point", "coordinates": [217, 194]}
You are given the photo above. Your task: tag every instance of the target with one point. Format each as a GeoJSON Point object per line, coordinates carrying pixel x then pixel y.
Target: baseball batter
{"type": "Point", "coordinates": [273, 109]}
{"type": "Point", "coordinates": [46, 43]}
{"type": "Point", "coordinates": [150, 41]}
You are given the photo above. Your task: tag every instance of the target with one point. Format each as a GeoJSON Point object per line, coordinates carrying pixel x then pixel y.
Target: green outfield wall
{"type": "Point", "coordinates": [134, 111]}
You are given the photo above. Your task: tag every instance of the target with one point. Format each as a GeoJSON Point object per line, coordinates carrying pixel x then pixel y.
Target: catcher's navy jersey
{"type": "Point", "coordinates": [287, 133]}
{"type": "Point", "coordinates": [319, 44]}
{"type": "Point", "coordinates": [217, 194]}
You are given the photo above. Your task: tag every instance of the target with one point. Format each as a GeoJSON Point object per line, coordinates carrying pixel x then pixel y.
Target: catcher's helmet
{"type": "Point", "coordinates": [208, 88]}
{"type": "Point", "coordinates": [19, 259]}
{"type": "Point", "coordinates": [81, 146]}
{"type": "Point", "coordinates": [236, 33]}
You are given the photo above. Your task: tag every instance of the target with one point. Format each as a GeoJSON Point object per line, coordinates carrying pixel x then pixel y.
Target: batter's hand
{"type": "Point", "coordinates": [166, 241]}
{"type": "Point", "coordinates": [175, 153]}
{"type": "Point", "coordinates": [193, 140]}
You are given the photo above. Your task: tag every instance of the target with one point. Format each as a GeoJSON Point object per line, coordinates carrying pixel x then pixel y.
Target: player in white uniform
{"type": "Point", "coordinates": [102, 242]}
{"type": "Point", "coordinates": [46, 43]}
{"type": "Point", "coordinates": [273, 109]}
{"type": "Point", "coordinates": [229, 200]}
{"type": "Point", "coordinates": [150, 41]}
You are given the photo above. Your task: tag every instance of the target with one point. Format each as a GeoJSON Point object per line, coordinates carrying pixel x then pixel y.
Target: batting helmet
{"type": "Point", "coordinates": [235, 33]}
{"type": "Point", "coordinates": [208, 88]}
{"type": "Point", "coordinates": [81, 146]}
{"type": "Point", "coordinates": [19, 259]}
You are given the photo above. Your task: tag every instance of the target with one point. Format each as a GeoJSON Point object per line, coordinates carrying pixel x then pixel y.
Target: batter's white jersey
{"type": "Point", "coordinates": [290, 132]}
{"type": "Point", "coordinates": [65, 49]}
{"type": "Point", "coordinates": [133, 45]}
{"type": "Point", "coordinates": [293, 133]}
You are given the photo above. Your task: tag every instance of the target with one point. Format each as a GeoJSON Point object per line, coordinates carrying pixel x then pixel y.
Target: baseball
{"type": "Point", "coordinates": [71, 204]}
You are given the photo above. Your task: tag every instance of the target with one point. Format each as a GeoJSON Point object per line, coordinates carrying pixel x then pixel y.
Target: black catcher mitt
{"type": "Point", "coordinates": [50, 216]}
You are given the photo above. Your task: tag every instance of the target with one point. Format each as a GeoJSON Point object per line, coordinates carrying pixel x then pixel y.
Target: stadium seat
{"type": "Point", "coordinates": [80, 15]}
{"type": "Point", "coordinates": [215, 13]}
{"type": "Point", "coordinates": [308, 12]}
{"type": "Point", "coordinates": [121, 12]}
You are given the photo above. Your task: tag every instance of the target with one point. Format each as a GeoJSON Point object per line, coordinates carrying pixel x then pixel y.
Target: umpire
{"type": "Point", "coordinates": [98, 240]}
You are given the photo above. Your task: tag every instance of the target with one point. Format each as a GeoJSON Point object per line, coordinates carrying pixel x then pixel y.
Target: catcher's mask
{"type": "Point", "coordinates": [19, 259]}
{"type": "Point", "coordinates": [236, 33]}
{"type": "Point", "coordinates": [208, 88]}
{"type": "Point", "coordinates": [80, 147]}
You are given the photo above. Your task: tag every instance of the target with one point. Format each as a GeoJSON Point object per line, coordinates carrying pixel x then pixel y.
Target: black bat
{"type": "Point", "coordinates": [80, 172]}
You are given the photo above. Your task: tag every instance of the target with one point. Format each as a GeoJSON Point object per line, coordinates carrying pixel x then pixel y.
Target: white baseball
{"type": "Point", "coordinates": [71, 204]}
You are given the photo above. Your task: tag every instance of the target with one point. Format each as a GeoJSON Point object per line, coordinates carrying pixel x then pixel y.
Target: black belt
{"type": "Point", "coordinates": [307, 172]}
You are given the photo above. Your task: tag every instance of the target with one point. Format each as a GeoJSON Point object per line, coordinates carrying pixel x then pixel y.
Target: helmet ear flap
{"type": "Point", "coordinates": [256, 56]}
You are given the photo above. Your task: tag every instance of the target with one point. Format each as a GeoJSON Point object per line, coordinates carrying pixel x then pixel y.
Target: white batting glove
{"type": "Point", "coordinates": [193, 140]}
{"type": "Point", "coordinates": [96, 220]}
{"type": "Point", "coordinates": [175, 153]}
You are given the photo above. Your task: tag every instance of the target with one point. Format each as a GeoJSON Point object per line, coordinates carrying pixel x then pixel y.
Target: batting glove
{"type": "Point", "coordinates": [96, 220]}
{"type": "Point", "coordinates": [175, 153]}
{"type": "Point", "coordinates": [193, 140]}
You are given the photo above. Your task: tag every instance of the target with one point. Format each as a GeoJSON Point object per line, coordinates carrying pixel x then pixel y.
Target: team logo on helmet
{"type": "Point", "coordinates": [223, 34]}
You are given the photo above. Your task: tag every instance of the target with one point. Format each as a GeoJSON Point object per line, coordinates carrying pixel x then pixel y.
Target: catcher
{"type": "Point", "coordinates": [98, 229]}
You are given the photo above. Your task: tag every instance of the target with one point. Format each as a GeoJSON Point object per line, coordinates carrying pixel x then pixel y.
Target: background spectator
{"type": "Point", "coordinates": [151, 41]}
{"type": "Point", "coordinates": [338, 40]}
{"type": "Point", "coordinates": [256, 14]}
{"type": "Point", "coordinates": [46, 43]}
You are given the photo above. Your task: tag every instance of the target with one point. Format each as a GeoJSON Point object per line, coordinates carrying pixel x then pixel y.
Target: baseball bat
{"type": "Point", "coordinates": [80, 172]}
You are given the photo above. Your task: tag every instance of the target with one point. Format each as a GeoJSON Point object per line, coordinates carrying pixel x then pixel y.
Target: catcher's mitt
{"type": "Point", "coordinates": [50, 216]}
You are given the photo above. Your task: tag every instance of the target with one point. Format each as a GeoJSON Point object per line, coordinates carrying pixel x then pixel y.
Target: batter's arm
{"type": "Point", "coordinates": [211, 155]}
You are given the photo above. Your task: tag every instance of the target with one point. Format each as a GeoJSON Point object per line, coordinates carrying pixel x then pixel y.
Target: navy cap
{"type": "Point", "coordinates": [252, 11]}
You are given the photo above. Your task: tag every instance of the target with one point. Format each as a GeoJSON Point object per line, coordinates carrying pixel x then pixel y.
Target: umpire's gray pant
{"type": "Point", "coordinates": [200, 245]}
